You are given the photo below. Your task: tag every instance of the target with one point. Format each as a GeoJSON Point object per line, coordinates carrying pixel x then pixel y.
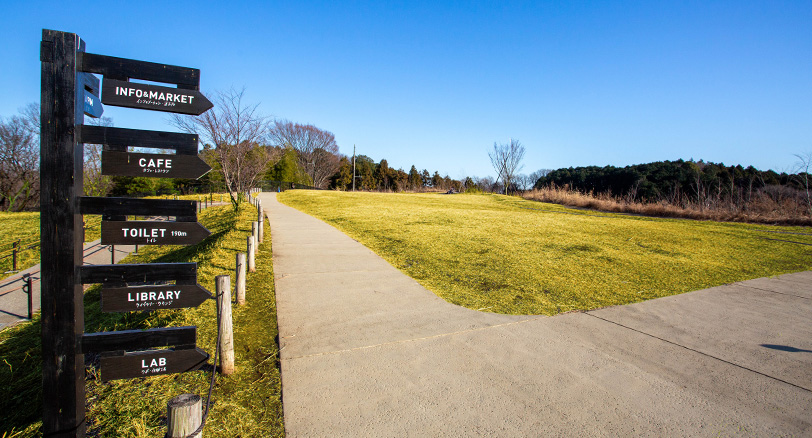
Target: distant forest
{"type": "Point", "coordinates": [672, 181]}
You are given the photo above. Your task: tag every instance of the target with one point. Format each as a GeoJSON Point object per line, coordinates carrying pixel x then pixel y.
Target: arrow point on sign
{"type": "Point", "coordinates": [201, 167]}
{"type": "Point", "coordinates": [207, 105]}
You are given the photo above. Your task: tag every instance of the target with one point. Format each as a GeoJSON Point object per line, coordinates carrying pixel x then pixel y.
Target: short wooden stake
{"type": "Point", "coordinates": [226, 332]}
{"type": "Point", "coordinates": [255, 233]}
{"type": "Point", "coordinates": [240, 278]}
{"type": "Point", "coordinates": [184, 415]}
{"type": "Point", "coordinates": [251, 255]}
{"type": "Point", "coordinates": [261, 228]}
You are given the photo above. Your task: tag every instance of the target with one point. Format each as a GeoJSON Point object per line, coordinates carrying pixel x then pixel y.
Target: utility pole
{"type": "Point", "coordinates": [353, 168]}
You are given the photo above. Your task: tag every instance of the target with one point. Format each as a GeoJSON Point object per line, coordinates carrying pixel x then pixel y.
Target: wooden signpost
{"type": "Point", "coordinates": [70, 90]}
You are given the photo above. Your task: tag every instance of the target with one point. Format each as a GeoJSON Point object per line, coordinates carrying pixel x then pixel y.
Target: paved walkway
{"type": "Point", "coordinates": [14, 301]}
{"type": "Point", "coordinates": [366, 351]}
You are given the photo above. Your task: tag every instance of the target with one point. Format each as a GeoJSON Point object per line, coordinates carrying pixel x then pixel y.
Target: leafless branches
{"type": "Point", "coordinates": [506, 160]}
{"type": "Point", "coordinates": [237, 132]}
{"type": "Point", "coordinates": [316, 149]}
{"type": "Point", "coordinates": [96, 184]}
{"type": "Point", "coordinates": [803, 167]}
{"type": "Point", "coordinates": [19, 160]}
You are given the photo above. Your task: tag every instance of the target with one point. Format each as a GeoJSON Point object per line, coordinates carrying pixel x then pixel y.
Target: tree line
{"type": "Point", "coordinates": [682, 182]}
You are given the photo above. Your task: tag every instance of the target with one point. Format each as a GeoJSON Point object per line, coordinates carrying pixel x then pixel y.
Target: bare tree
{"type": "Point", "coordinates": [237, 132]}
{"type": "Point", "coordinates": [96, 184]}
{"type": "Point", "coordinates": [506, 160]}
{"type": "Point", "coordinates": [803, 167]}
{"type": "Point", "coordinates": [19, 160]}
{"type": "Point", "coordinates": [316, 149]}
{"type": "Point", "coordinates": [537, 175]}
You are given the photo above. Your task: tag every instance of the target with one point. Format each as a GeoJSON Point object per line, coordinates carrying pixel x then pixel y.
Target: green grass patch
{"type": "Point", "coordinates": [247, 403]}
{"type": "Point", "coordinates": [23, 228]}
{"type": "Point", "coordinates": [509, 255]}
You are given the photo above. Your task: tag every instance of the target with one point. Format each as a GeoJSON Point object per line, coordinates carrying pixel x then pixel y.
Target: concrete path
{"type": "Point", "coordinates": [366, 351]}
{"type": "Point", "coordinates": [14, 301]}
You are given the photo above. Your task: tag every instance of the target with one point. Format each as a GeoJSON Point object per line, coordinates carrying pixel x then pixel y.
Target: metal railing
{"type": "Point", "coordinates": [281, 186]}
{"type": "Point", "coordinates": [17, 247]}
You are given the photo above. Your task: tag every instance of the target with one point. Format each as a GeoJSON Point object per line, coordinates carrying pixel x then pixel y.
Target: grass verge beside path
{"type": "Point", "coordinates": [509, 255]}
{"type": "Point", "coordinates": [245, 404]}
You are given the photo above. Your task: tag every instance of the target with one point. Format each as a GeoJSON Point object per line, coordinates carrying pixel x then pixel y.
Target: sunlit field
{"type": "Point", "coordinates": [509, 255]}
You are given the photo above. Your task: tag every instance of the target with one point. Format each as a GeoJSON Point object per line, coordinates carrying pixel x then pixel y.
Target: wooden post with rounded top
{"type": "Point", "coordinates": [184, 415]}
{"type": "Point", "coordinates": [226, 331]}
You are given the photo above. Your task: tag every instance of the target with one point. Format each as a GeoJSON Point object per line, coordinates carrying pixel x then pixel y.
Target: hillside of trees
{"type": "Point", "coordinates": [691, 189]}
{"type": "Point", "coordinates": [672, 181]}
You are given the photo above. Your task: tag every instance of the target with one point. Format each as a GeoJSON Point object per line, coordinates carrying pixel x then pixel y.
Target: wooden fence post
{"type": "Point", "coordinates": [251, 255]}
{"type": "Point", "coordinates": [255, 234]}
{"type": "Point", "coordinates": [184, 415]}
{"type": "Point", "coordinates": [261, 227]}
{"type": "Point", "coordinates": [226, 331]}
{"type": "Point", "coordinates": [240, 278]}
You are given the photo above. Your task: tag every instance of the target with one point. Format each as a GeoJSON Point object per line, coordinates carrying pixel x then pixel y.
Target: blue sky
{"type": "Point", "coordinates": [435, 84]}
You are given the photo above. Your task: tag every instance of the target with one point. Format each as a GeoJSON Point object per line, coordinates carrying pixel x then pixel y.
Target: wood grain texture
{"type": "Point", "coordinates": [182, 273]}
{"type": "Point", "coordinates": [123, 69]}
{"type": "Point", "coordinates": [141, 207]}
{"type": "Point", "coordinates": [226, 330]}
{"type": "Point", "coordinates": [61, 159]}
{"type": "Point", "coordinates": [184, 415]}
{"type": "Point", "coordinates": [185, 144]}
{"type": "Point", "coordinates": [133, 340]}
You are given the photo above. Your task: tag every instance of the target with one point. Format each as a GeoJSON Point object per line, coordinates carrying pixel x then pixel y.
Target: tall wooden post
{"type": "Point", "coordinates": [63, 364]}
{"type": "Point", "coordinates": [223, 283]}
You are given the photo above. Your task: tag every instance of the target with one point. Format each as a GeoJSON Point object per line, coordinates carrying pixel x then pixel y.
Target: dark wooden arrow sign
{"type": "Point", "coordinates": [152, 233]}
{"type": "Point", "coordinates": [137, 206]}
{"type": "Point", "coordinates": [165, 296]}
{"type": "Point", "coordinates": [181, 273]}
{"type": "Point", "coordinates": [153, 165]}
{"type": "Point", "coordinates": [120, 138]}
{"type": "Point", "coordinates": [151, 363]}
{"type": "Point", "coordinates": [134, 340]}
{"type": "Point", "coordinates": [154, 97]}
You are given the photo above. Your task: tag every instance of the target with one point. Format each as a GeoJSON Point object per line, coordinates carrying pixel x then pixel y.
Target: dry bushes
{"type": "Point", "coordinates": [764, 206]}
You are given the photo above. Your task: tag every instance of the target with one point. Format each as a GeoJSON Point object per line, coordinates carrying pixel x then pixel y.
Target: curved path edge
{"type": "Point", "coordinates": [367, 351]}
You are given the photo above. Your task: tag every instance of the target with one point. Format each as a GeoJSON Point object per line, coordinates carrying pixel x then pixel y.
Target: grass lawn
{"type": "Point", "coordinates": [509, 255]}
{"type": "Point", "coordinates": [24, 227]}
{"type": "Point", "coordinates": [246, 403]}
